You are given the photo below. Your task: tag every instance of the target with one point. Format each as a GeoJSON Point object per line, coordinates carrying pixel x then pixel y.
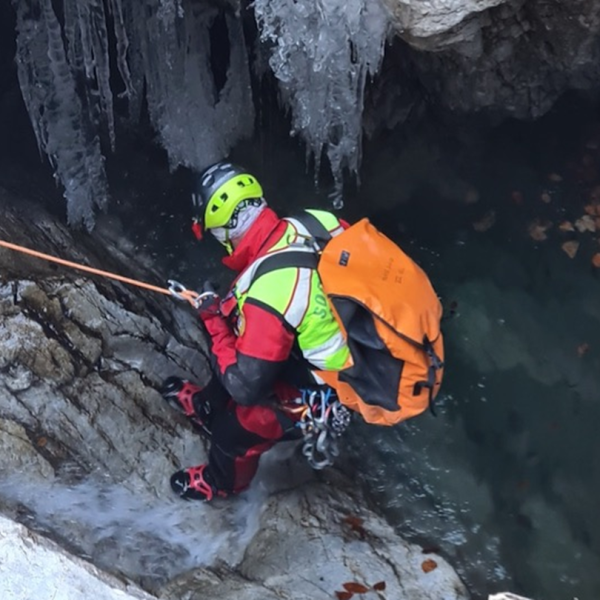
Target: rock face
{"type": "Point", "coordinates": [55, 571]}
{"type": "Point", "coordinates": [88, 448]}
{"type": "Point", "coordinates": [432, 20]}
{"type": "Point", "coordinates": [80, 360]}
{"type": "Point", "coordinates": [510, 57]}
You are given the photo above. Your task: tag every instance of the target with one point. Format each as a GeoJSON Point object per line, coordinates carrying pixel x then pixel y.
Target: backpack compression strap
{"type": "Point", "coordinates": [435, 365]}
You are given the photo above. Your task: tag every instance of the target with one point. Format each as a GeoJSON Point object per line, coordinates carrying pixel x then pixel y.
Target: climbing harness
{"type": "Point", "coordinates": [175, 288]}
{"type": "Point", "coordinates": [324, 420]}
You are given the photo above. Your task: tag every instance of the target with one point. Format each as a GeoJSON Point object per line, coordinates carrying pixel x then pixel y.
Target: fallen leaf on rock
{"type": "Point", "coordinates": [571, 248]}
{"type": "Point", "coordinates": [355, 587]}
{"type": "Point", "coordinates": [585, 223]}
{"type": "Point", "coordinates": [583, 349]}
{"type": "Point", "coordinates": [355, 523]}
{"type": "Point", "coordinates": [537, 230]}
{"type": "Point", "coordinates": [566, 226]}
{"type": "Point", "coordinates": [428, 565]}
{"type": "Point", "coordinates": [486, 222]}
{"type": "Point", "coordinates": [546, 197]}
{"type": "Point", "coordinates": [344, 595]}
{"type": "Point", "coordinates": [379, 586]}
{"type": "Point", "coordinates": [555, 177]}
{"type": "Point", "coordinates": [42, 442]}
{"type": "Point", "coordinates": [596, 260]}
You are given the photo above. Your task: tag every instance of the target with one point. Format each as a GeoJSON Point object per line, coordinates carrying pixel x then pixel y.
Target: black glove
{"type": "Point", "coordinates": [210, 303]}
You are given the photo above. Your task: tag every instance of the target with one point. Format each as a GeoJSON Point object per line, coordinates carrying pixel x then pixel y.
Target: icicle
{"type": "Point", "coordinates": [64, 130]}
{"type": "Point", "coordinates": [87, 37]}
{"type": "Point", "coordinates": [321, 54]}
{"type": "Point", "coordinates": [196, 125]}
{"type": "Point", "coordinates": [132, 13]}
{"type": "Point", "coordinates": [116, 11]}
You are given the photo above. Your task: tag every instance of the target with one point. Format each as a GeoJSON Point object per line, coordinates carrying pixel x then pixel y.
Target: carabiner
{"type": "Point", "coordinates": [182, 293]}
{"type": "Point", "coordinates": [176, 289]}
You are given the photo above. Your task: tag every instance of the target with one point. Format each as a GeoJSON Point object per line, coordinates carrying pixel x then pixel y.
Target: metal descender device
{"type": "Point", "coordinates": [324, 420]}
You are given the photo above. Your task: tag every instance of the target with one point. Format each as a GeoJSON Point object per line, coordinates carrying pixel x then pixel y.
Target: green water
{"type": "Point", "coordinates": [505, 482]}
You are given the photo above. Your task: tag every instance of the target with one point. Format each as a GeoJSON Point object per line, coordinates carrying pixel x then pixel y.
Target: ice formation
{"type": "Point", "coordinates": [162, 51]}
{"type": "Point", "coordinates": [170, 52]}
{"type": "Point", "coordinates": [321, 53]}
{"type": "Point", "coordinates": [62, 116]}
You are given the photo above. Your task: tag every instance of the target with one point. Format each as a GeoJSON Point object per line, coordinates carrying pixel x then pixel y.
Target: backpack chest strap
{"type": "Point", "coordinates": [283, 260]}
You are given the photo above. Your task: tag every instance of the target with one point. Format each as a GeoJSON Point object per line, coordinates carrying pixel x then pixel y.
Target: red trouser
{"type": "Point", "coordinates": [240, 434]}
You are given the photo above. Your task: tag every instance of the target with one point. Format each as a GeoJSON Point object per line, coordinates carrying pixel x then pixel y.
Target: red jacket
{"type": "Point", "coordinates": [249, 364]}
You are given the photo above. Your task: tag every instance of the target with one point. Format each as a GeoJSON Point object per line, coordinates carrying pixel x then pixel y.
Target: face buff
{"type": "Point", "coordinates": [243, 217]}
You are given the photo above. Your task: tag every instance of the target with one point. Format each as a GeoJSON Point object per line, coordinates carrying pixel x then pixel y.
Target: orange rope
{"type": "Point", "coordinates": [68, 263]}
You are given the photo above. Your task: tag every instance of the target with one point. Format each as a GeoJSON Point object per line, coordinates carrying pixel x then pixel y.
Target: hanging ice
{"type": "Point", "coordinates": [162, 51]}
{"type": "Point", "coordinates": [170, 51]}
{"type": "Point", "coordinates": [321, 54]}
{"type": "Point", "coordinates": [62, 118]}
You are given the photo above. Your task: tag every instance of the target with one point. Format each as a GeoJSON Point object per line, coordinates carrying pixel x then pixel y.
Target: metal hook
{"type": "Point", "coordinates": [182, 293]}
{"type": "Point", "coordinates": [176, 289]}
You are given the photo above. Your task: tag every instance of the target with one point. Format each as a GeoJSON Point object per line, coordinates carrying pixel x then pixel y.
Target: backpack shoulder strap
{"type": "Point", "coordinates": [299, 259]}
{"type": "Point", "coordinates": [282, 260]}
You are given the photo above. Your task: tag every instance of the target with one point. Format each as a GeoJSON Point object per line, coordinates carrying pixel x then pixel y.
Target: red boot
{"type": "Point", "coordinates": [185, 398]}
{"type": "Point", "coordinates": [195, 484]}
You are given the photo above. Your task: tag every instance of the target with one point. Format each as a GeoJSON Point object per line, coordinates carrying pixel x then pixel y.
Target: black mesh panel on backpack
{"type": "Point", "coordinates": [375, 374]}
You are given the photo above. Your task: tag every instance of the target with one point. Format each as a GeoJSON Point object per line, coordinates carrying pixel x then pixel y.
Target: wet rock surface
{"type": "Point", "coordinates": [88, 447]}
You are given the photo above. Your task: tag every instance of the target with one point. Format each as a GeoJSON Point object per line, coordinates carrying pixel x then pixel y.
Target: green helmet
{"type": "Point", "coordinates": [219, 191]}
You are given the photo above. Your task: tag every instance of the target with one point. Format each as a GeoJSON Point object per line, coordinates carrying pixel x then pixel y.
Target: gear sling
{"type": "Point", "coordinates": [388, 312]}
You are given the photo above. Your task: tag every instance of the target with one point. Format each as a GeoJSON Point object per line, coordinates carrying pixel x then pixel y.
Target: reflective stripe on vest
{"type": "Point", "coordinates": [297, 294]}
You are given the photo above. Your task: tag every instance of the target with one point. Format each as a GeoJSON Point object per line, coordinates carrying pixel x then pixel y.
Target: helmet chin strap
{"type": "Point", "coordinates": [222, 236]}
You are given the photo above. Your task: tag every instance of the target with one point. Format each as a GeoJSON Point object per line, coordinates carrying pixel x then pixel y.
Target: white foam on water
{"type": "Point", "coordinates": [150, 537]}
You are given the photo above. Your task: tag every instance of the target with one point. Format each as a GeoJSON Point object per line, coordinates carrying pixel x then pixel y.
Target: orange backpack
{"type": "Point", "coordinates": [389, 314]}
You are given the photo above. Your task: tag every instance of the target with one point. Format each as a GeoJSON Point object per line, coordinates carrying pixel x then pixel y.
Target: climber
{"type": "Point", "coordinates": [268, 335]}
